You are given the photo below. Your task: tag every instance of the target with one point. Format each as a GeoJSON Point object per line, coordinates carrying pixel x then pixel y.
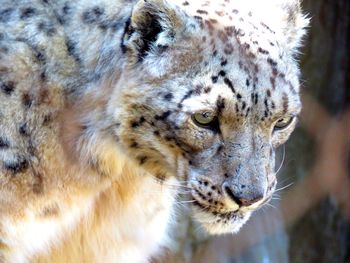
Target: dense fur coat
{"type": "Point", "coordinates": [110, 109]}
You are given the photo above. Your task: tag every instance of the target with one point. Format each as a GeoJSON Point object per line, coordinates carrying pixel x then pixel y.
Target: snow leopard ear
{"type": "Point", "coordinates": [295, 23]}
{"type": "Point", "coordinates": [151, 29]}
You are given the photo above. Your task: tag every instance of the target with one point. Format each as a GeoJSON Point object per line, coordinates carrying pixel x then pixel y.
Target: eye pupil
{"type": "Point", "coordinates": [203, 118]}
{"type": "Point", "coordinates": [206, 115]}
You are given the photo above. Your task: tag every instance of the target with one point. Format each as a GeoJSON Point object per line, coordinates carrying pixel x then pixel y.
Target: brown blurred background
{"type": "Point", "coordinates": [309, 221]}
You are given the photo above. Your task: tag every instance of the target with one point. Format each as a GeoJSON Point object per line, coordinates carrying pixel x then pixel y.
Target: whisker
{"type": "Point", "coordinates": [270, 205]}
{"type": "Point", "coordinates": [285, 180]}
{"type": "Point", "coordinates": [284, 187]}
{"type": "Point", "coordinates": [283, 158]}
{"type": "Point", "coordinates": [185, 202]}
{"type": "Point", "coordinates": [176, 185]}
{"type": "Point", "coordinates": [276, 198]}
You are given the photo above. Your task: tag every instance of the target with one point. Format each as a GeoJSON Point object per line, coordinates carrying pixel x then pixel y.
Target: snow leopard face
{"type": "Point", "coordinates": [209, 90]}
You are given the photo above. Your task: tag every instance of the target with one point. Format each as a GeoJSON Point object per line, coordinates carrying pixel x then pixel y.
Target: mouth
{"type": "Point", "coordinates": [217, 213]}
{"type": "Point", "coordinates": [219, 222]}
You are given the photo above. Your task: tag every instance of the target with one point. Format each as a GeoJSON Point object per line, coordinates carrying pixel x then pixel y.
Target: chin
{"type": "Point", "coordinates": [216, 223]}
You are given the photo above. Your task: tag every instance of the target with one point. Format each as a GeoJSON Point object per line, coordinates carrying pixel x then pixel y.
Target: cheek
{"type": "Point", "coordinates": [280, 138]}
{"type": "Point", "coordinates": [195, 137]}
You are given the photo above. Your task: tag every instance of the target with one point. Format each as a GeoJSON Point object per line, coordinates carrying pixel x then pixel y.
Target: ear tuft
{"type": "Point", "coordinates": [295, 24]}
{"type": "Point", "coordinates": [152, 27]}
{"type": "Point", "coordinates": [285, 17]}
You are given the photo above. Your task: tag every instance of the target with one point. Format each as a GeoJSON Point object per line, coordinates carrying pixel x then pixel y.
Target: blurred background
{"type": "Point", "coordinates": [308, 220]}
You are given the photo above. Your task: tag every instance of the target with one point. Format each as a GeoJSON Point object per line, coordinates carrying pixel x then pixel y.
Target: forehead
{"type": "Point", "coordinates": [242, 55]}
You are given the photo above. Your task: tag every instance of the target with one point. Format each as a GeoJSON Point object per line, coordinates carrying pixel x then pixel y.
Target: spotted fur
{"type": "Point", "coordinates": [97, 128]}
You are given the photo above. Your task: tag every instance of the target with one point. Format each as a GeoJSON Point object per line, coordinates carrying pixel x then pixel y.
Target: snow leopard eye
{"type": "Point", "coordinates": [205, 119]}
{"type": "Point", "coordinates": [283, 123]}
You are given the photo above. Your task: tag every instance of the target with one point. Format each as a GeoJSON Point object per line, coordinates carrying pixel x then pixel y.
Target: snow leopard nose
{"type": "Point", "coordinates": [243, 195]}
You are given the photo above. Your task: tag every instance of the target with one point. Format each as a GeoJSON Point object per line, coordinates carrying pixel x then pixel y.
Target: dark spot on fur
{"type": "Point", "coordinates": [163, 116]}
{"type": "Point", "coordinates": [229, 83]}
{"type": "Point", "coordinates": [207, 89]}
{"type": "Point", "coordinates": [161, 177]}
{"type": "Point", "coordinates": [244, 105]}
{"type": "Point", "coordinates": [266, 103]}
{"type": "Point", "coordinates": [162, 48]}
{"type": "Point", "coordinates": [4, 143]}
{"type": "Point", "coordinates": [28, 12]}
{"type": "Point", "coordinates": [31, 149]}
{"type": "Point", "coordinates": [142, 120]}
{"type": "Point", "coordinates": [220, 148]}
{"type": "Point", "coordinates": [198, 89]}
{"type": "Point", "coordinates": [239, 96]}
{"type": "Point", "coordinates": [7, 87]}
{"type": "Point", "coordinates": [44, 96]}
{"type": "Point", "coordinates": [39, 56]}
{"type": "Point", "coordinates": [142, 159]}
{"type": "Point", "coordinates": [220, 13]}
{"type": "Point", "coordinates": [185, 3]}
{"type": "Point", "coordinates": [223, 63]}
{"type": "Point", "coordinates": [237, 108]}
{"type": "Point", "coordinates": [47, 119]}
{"type": "Point", "coordinates": [272, 62]}
{"type": "Point", "coordinates": [228, 49]}
{"type": "Point", "coordinates": [285, 103]}
{"type": "Point", "coordinates": [267, 27]}
{"type": "Point", "coordinates": [169, 138]}
{"type": "Point", "coordinates": [47, 28]}
{"type": "Point", "coordinates": [23, 129]}
{"type": "Point", "coordinates": [214, 79]}
{"type": "Point", "coordinates": [202, 12]}
{"type": "Point", "coordinates": [198, 18]}
{"type": "Point", "coordinates": [134, 145]}
{"type": "Point", "coordinates": [222, 73]}
{"type": "Point", "coordinates": [220, 104]}
{"type": "Point", "coordinates": [187, 95]}
{"type": "Point", "coordinates": [135, 124]}
{"type": "Point", "coordinates": [92, 15]}
{"type": "Point", "coordinates": [168, 97]}
{"type": "Point", "coordinates": [256, 98]}
{"type": "Point", "coordinates": [72, 50]}
{"type": "Point", "coordinates": [263, 51]}
{"type": "Point", "coordinates": [66, 8]}
{"type": "Point", "coordinates": [50, 211]}
{"type": "Point", "coordinates": [273, 82]}
{"type": "Point", "coordinates": [27, 101]}
{"type": "Point", "coordinates": [38, 185]}
{"type": "Point", "coordinates": [5, 14]}
{"type": "Point", "coordinates": [43, 76]}
{"type": "Point", "coordinates": [18, 166]}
